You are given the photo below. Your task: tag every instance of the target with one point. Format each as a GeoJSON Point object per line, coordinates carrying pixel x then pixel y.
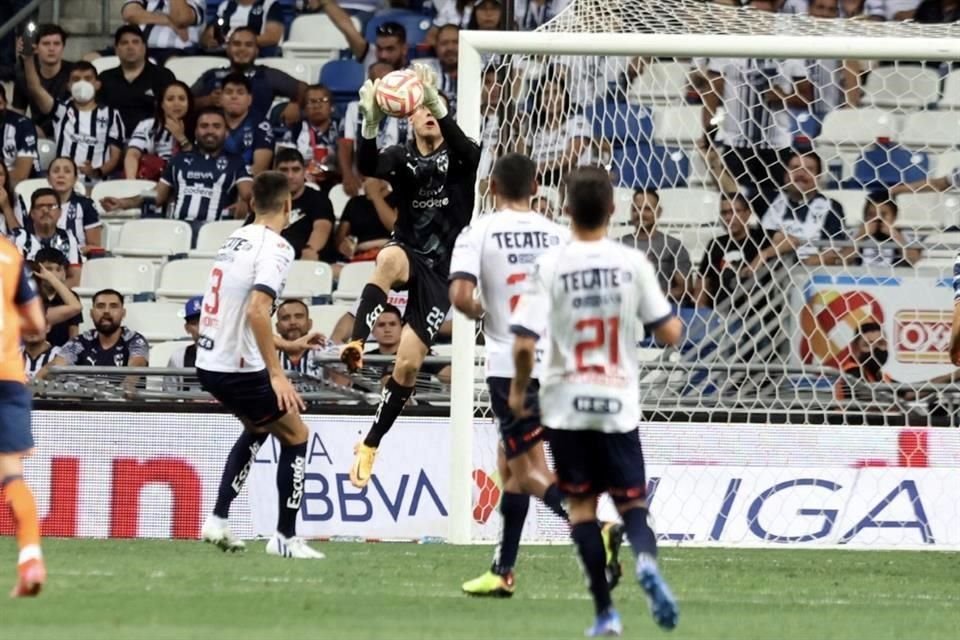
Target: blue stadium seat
{"type": "Point", "coordinates": [650, 166]}
{"type": "Point", "coordinates": [344, 78]}
{"type": "Point", "coordinates": [885, 164]}
{"type": "Point", "coordinates": [416, 24]}
{"type": "Point", "coordinates": [621, 124]}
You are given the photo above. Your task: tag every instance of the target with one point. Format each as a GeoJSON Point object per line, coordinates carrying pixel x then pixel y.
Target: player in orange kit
{"type": "Point", "coordinates": [19, 306]}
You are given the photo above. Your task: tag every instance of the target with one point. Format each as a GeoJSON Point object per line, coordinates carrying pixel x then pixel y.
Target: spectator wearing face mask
{"type": "Point", "coordinates": [89, 133]}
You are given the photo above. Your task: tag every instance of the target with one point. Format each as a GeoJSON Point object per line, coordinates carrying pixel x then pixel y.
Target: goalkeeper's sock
{"type": "Point", "coordinates": [586, 535]}
{"type": "Point", "coordinates": [20, 500]}
{"type": "Point", "coordinates": [291, 470]}
{"type": "Point", "coordinates": [236, 470]}
{"type": "Point", "coordinates": [373, 300]}
{"type": "Point", "coordinates": [513, 511]}
{"type": "Point", "coordinates": [392, 400]}
{"type": "Point", "coordinates": [554, 499]}
{"type": "Point", "coordinates": [641, 536]}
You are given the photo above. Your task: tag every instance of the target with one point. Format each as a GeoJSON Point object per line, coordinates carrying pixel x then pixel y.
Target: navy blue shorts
{"type": "Point", "coordinates": [590, 462]}
{"type": "Point", "coordinates": [518, 436]}
{"type": "Point", "coordinates": [247, 395]}
{"type": "Point", "coordinates": [15, 403]}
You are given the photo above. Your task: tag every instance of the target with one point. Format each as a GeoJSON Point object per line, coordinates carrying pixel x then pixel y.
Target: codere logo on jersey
{"type": "Point", "coordinates": [431, 203]}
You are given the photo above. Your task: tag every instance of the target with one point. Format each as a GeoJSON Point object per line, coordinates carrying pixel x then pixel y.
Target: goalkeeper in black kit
{"type": "Point", "coordinates": [433, 177]}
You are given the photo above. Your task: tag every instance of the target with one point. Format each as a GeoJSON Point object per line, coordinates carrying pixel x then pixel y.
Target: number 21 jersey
{"type": "Point", "coordinates": [591, 298]}
{"type": "Point", "coordinates": [253, 258]}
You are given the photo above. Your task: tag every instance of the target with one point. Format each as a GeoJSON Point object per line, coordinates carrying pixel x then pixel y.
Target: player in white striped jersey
{"type": "Point", "coordinates": [588, 297]}
{"type": "Point", "coordinates": [237, 363]}
{"type": "Point", "coordinates": [496, 255]}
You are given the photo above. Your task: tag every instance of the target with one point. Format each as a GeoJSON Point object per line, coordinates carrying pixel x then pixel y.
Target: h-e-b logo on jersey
{"type": "Point", "coordinates": [589, 404]}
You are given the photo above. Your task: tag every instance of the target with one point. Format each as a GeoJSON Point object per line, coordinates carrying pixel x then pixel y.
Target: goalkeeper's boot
{"type": "Point", "coordinates": [612, 533]}
{"type": "Point", "coordinates": [663, 607]}
{"type": "Point", "coordinates": [607, 624]}
{"type": "Point", "coordinates": [351, 354]}
{"type": "Point", "coordinates": [295, 547]}
{"type": "Point", "coordinates": [216, 531]}
{"type": "Point", "coordinates": [362, 468]}
{"type": "Point", "coordinates": [31, 575]}
{"type": "Point", "coordinates": [490, 584]}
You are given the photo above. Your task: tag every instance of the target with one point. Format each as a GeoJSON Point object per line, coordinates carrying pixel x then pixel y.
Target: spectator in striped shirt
{"type": "Point", "coordinates": [447, 48]}
{"type": "Point", "coordinates": [18, 143]}
{"type": "Point", "coordinates": [54, 71]}
{"type": "Point", "coordinates": [156, 140]}
{"type": "Point", "coordinates": [200, 185]}
{"type": "Point", "coordinates": [44, 213]}
{"type": "Point", "coordinates": [9, 206]}
{"type": "Point", "coordinates": [37, 352]}
{"type": "Point", "coordinates": [89, 133]}
{"type": "Point", "coordinates": [171, 27]}
{"type": "Point", "coordinates": [293, 323]}
{"type": "Point", "coordinates": [78, 216]}
{"type": "Point", "coordinates": [265, 17]}
{"type": "Point", "coordinates": [315, 137]}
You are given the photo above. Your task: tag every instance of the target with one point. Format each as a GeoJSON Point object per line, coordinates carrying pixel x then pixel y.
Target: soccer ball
{"type": "Point", "coordinates": [399, 93]}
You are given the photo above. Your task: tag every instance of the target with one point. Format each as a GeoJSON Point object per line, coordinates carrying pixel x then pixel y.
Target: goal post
{"type": "Point", "coordinates": [697, 417]}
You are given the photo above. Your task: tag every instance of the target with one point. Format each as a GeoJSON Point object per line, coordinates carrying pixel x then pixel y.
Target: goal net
{"type": "Point", "coordinates": [794, 180]}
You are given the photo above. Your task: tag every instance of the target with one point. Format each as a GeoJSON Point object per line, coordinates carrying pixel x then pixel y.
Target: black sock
{"type": "Point", "coordinates": [513, 510]}
{"type": "Point", "coordinates": [392, 399]}
{"type": "Point", "coordinates": [641, 536]}
{"type": "Point", "coordinates": [554, 499]}
{"type": "Point", "coordinates": [372, 301]}
{"type": "Point", "coordinates": [236, 470]}
{"type": "Point", "coordinates": [290, 476]}
{"type": "Point", "coordinates": [586, 536]}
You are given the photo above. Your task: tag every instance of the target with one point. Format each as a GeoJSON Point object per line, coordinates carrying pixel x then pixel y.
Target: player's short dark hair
{"type": "Point", "coordinates": [127, 29]}
{"type": "Point", "coordinates": [108, 292]}
{"type": "Point", "coordinates": [3, 94]}
{"type": "Point", "coordinates": [515, 175]}
{"type": "Point", "coordinates": [389, 308]}
{"type": "Point", "coordinates": [288, 154]}
{"type": "Point", "coordinates": [391, 28]}
{"type": "Point", "coordinates": [449, 25]}
{"type": "Point", "coordinates": [83, 65]}
{"type": "Point", "coordinates": [211, 110]}
{"type": "Point", "coordinates": [270, 191]}
{"type": "Point", "coordinates": [294, 301]}
{"type": "Point", "coordinates": [41, 192]}
{"type": "Point", "coordinates": [239, 80]}
{"type": "Point", "coordinates": [49, 29]}
{"type": "Point", "coordinates": [647, 191]}
{"type": "Point", "coordinates": [49, 255]}
{"type": "Point", "coordinates": [589, 196]}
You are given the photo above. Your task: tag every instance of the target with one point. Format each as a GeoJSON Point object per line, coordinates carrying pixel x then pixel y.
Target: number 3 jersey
{"type": "Point", "coordinates": [594, 300]}
{"type": "Point", "coordinates": [253, 258]}
{"type": "Point", "coordinates": [497, 254]}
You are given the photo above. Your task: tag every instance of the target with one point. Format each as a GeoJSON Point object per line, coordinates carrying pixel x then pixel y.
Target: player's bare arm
{"type": "Point", "coordinates": [259, 312]}
{"type": "Point", "coordinates": [955, 335]}
{"type": "Point", "coordinates": [463, 296]}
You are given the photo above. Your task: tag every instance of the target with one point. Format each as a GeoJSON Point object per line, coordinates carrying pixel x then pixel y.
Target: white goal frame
{"type": "Point", "coordinates": [475, 43]}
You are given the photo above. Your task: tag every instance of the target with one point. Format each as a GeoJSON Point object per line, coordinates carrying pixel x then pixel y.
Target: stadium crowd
{"type": "Point", "coordinates": [191, 99]}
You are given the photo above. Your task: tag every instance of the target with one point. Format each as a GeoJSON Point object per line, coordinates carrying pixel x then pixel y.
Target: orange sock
{"type": "Point", "coordinates": [17, 494]}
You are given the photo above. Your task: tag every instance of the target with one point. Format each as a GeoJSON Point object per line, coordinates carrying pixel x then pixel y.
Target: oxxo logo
{"type": "Point", "coordinates": [922, 336]}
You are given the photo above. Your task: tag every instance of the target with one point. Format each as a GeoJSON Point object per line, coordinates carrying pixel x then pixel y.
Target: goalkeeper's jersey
{"type": "Point", "coordinates": [591, 298]}
{"type": "Point", "coordinates": [497, 253]}
{"type": "Point", "coordinates": [435, 192]}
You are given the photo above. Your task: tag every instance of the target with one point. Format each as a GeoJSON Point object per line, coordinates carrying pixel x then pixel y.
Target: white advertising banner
{"type": "Point", "coordinates": [124, 474]}
{"type": "Point", "coordinates": [914, 312]}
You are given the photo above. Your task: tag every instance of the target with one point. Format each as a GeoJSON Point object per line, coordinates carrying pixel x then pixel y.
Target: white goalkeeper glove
{"type": "Point", "coordinates": [370, 110]}
{"type": "Point", "coordinates": [431, 97]}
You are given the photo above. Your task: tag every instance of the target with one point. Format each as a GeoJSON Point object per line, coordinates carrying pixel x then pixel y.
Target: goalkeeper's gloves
{"type": "Point", "coordinates": [431, 97]}
{"type": "Point", "coordinates": [370, 110]}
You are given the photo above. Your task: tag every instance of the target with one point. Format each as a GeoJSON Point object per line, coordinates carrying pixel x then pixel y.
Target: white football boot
{"type": "Point", "coordinates": [294, 547]}
{"type": "Point", "coordinates": [217, 531]}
